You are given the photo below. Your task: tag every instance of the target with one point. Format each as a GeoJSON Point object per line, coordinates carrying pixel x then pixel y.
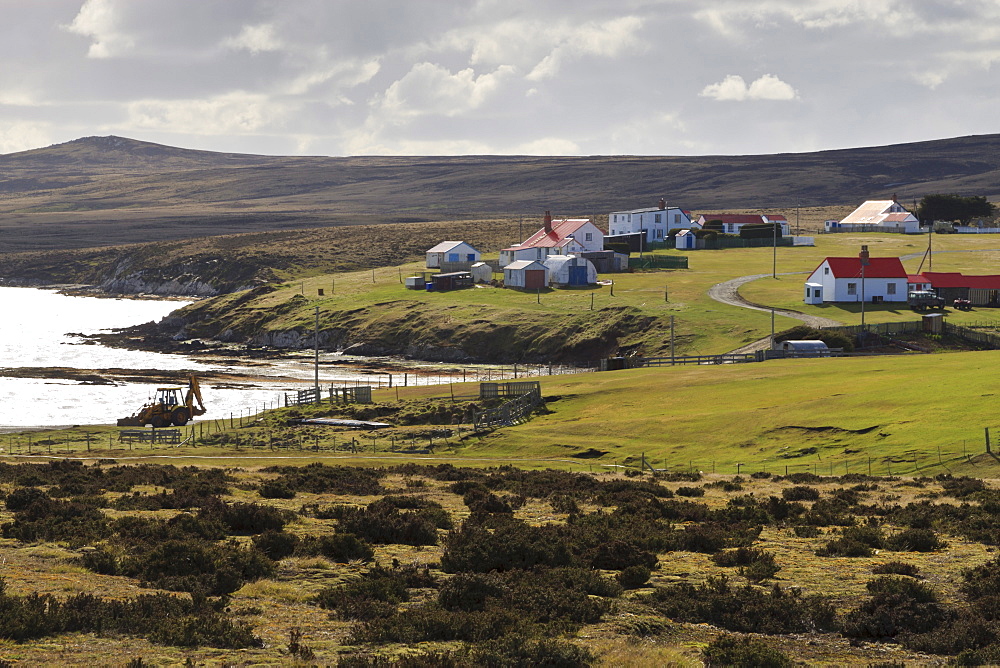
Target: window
{"type": "Point", "coordinates": [890, 289]}
{"type": "Point", "coordinates": [471, 257]}
{"type": "Point", "coordinates": [852, 288]}
{"type": "Point", "coordinates": [659, 234]}
{"type": "Point", "coordinates": [538, 253]}
{"type": "Point", "coordinates": [452, 257]}
{"type": "Point", "coordinates": [658, 219]}
{"type": "Point", "coordinates": [589, 236]}
{"type": "Point", "coordinates": [677, 219]}
{"type": "Point", "coordinates": [826, 271]}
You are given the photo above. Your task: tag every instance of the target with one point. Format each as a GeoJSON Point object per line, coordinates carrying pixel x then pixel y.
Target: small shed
{"type": "Point", "coordinates": [451, 252]}
{"type": "Point", "coordinates": [570, 270]}
{"type": "Point", "coordinates": [814, 293]}
{"type": "Point", "coordinates": [527, 274]}
{"type": "Point", "coordinates": [607, 261]}
{"type": "Point", "coordinates": [685, 240]}
{"type": "Point", "coordinates": [452, 281]}
{"type": "Point", "coordinates": [803, 347]}
{"type": "Point", "coordinates": [481, 272]}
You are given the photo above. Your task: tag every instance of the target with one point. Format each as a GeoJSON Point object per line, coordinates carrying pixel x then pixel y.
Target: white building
{"type": "Point", "coordinates": [876, 215]}
{"type": "Point", "coordinates": [655, 222]}
{"type": "Point", "coordinates": [732, 222]}
{"type": "Point", "coordinates": [570, 270]}
{"type": "Point", "coordinates": [526, 274]}
{"type": "Point", "coordinates": [451, 251]}
{"type": "Point", "coordinates": [556, 237]}
{"type": "Point", "coordinates": [839, 279]}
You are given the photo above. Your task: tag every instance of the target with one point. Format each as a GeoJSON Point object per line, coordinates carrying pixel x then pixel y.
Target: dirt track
{"type": "Point", "coordinates": [728, 292]}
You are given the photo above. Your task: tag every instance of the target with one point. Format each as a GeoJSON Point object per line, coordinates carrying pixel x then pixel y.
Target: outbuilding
{"type": "Point", "coordinates": [526, 274]}
{"type": "Point", "coordinates": [450, 281]}
{"type": "Point", "coordinates": [481, 272]}
{"type": "Point", "coordinates": [451, 252]}
{"type": "Point", "coordinates": [570, 270]}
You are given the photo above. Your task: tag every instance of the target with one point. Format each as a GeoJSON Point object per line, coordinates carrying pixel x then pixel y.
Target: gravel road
{"type": "Point", "coordinates": [728, 292]}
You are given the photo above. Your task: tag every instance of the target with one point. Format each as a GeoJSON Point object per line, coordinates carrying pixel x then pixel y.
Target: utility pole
{"type": "Point", "coordinates": [772, 329]}
{"type": "Point", "coordinates": [863, 256]}
{"type": "Point", "coordinates": [671, 340]}
{"type": "Point", "coordinates": [774, 252]}
{"type": "Point", "coordinates": [316, 347]}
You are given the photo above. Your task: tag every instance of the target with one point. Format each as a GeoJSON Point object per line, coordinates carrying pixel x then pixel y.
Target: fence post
{"type": "Point", "coordinates": [988, 450]}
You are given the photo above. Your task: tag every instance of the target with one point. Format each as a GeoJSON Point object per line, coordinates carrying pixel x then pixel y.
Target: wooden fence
{"type": "Point", "coordinates": [509, 413]}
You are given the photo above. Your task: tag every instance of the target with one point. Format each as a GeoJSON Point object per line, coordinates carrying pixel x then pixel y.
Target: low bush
{"type": "Point", "coordinates": [690, 491]}
{"type": "Point", "coordinates": [800, 493]}
{"type": "Point", "coordinates": [634, 576]}
{"type": "Point", "coordinates": [806, 531]}
{"type": "Point", "coordinates": [276, 489]}
{"type": "Point", "coordinates": [896, 568]}
{"type": "Point", "coordinates": [915, 540]}
{"type": "Point", "coordinates": [895, 605]}
{"type": "Point", "coordinates": [246, 518]}
{"type": "Point", "coordinates": [743, 652]}
{"type": "Point", "coordinates": [163, 618]}
{"type": "Point", "coordinates": [340, 547]}
{"type": "Point", "coordinates": [276, 545]}
{"type": "Point", "coordinates": [383, 524]}
{"type": "Point", "coordinates": [319, 478]}
{"type": "Point", "coordinates": [377, 593]}
{"type": "Point", "coordinates": [744, 609]}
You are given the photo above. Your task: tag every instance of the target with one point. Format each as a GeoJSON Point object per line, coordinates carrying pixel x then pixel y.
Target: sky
{"type": "Point", "coordinates": [538, 77]}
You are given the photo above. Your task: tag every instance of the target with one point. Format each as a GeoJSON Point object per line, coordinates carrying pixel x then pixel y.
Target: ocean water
{"type": "Point", "coordinates": [40, 328]}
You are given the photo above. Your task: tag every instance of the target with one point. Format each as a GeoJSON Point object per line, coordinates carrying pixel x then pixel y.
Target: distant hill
{"type": "Point", "coordinates": [100, 191]}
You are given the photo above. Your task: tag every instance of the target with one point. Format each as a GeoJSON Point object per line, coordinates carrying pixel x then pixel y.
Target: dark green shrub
{"type": "Point", "coordinates": [519, 650]}
{"type": "Point", "coordinates": [276, 489]}
{"type": "Point", "coordinates": [806, 531]}
{"type": "Point", "coordinates": [430, 623]}
{"type": "Point", "coordinates": [276, 545]}
{"type": "Point", "coordinates": [845, 547]}
{"type": "Point", "coordinates": [22, 497]}
{"type": "Point", "coordinates": [383, 524]}
{"type": "Point", "coordinates": [376, 593]}
{"type": "Point", "coordinates": [482, 501]}
{"type": "Point", "coordinates": [712, 537]}
{"type": "Point", "coordinates": [319, 478]}
{"type": "Point", "coordinates": [634, 576]}
{"type": "Point", "coordinates": [512, 545]}
{"type": "Point", "coordinates": [563, 503]}
{"type": "Point", "coordinates": [690, 491]}
{"type": "Point", "coordinates": [745, 609]}
{"type": "Point", "coordinates": [895, 605]}
{"type": "Point", "coordinates": [800, 493]}
{"type": "Point", "coordinates": [896, 568]}
{"type": "Point", "coordinates": [743, 652]}
{"type": "Point", "coordinates": [341, 547]}
{"type": "Point", "coordinates": [246, 518]}
{"type": "Point", "coordinates": [915, 540]}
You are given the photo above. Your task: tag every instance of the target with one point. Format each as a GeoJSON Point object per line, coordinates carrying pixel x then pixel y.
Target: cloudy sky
{"type": "Point", "coordinates": [547, 77]}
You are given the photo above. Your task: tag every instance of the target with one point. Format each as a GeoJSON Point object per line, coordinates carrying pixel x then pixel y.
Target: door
{"type": "Point", "coordinates": [578, 275]}
{"type": "Point", "coordinates": [534, 278]}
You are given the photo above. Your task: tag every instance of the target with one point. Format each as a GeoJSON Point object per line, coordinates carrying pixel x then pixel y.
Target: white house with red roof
{"type": "Point", "coordinates": [877, 215]}
{"type": "Point", "coordinates": [839, 279]}
{"type": "Point", "coordinates": [556, 237]}
{"type": "Point", "coordinates": [655, 221]}
{"type": "Point", "coordinates": [732, 222]}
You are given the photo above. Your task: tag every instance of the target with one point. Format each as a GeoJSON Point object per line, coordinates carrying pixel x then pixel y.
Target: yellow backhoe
{"type": "Point", "coordinates": [168, 408]}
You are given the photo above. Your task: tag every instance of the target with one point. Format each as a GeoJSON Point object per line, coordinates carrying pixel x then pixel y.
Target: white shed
{"type": "Point", "coordinates": [451, 251]}
{"type": "Point", "coordinates": [529, 274]}
{"type": "Point", "coordinates": [814, 293]}
{"type": "Point", "coordinates": [481, 272]}
{"type": "Point", "coordinates": [570, 270]}
{"type": "Point", "coordinates": [685, 240]}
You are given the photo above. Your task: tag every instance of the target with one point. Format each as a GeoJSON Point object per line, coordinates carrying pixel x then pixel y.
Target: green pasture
{"type": "Point", "coordinates": [900, 411]}
{"type": "Point", "coordinates": [902, 415]}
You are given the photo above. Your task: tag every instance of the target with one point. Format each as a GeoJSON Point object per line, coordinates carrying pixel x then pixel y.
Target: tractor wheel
{"type": "Point", "coordinates": [159, 421]}
{"type": "Point", "coordinates": [180, 417]}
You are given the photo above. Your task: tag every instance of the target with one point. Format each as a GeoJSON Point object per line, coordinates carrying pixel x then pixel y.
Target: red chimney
{"type": "Point", "coordinates": [548, 222]}
{"type": "Point", "coordinates": [663, 204]}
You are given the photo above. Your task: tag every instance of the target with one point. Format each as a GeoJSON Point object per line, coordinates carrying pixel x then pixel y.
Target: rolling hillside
{"type": "Point", "coordinates": [100, 191]}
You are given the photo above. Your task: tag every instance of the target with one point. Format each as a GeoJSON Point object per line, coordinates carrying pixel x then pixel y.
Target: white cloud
{"type": "Point", "coordinates": [255, 39]}
{"type": "Point", "coordinates": [607, 39]}
{"type": "Point", "coordinates": [234, 113]}
{"type": "Point", "coordinates": [733, 88]}
{"type": "Point", "coordinates": [430, 89]}
{"type": "Point", "coordinates": [22, 136]}
{"type": "Point", "coordinates": [346, 74]}
{"type": "Point", "coordinates": [547, 146]}
{"type": "Point", "coordinates": [98, 20]}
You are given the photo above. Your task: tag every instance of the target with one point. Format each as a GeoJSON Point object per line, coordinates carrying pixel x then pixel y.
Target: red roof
{"type": "Point", "coordinates": [941, 279]}
{"type": "Point", "coordinates": [557, 237]}
{"type": "Point", "coordinates": [917, 278]}
{"type": "Point", "coordinates": [734, 218]}
{"type": "Point", "coordinates": [878, 267]}
{"type": "Point", "coordinates": [776, 218]}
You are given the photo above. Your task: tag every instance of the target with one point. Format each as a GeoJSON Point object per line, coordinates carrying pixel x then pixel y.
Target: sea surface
{"type": "Point", "coordinates": [42, 328]}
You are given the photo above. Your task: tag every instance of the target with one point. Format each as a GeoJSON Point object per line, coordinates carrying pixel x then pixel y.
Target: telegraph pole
{"type": "Point", "coordinates": [316, 347]}
{"type": "Point", "coordinates": [863, 256]}
{"type": "Point", "coordinates": [774, 252]}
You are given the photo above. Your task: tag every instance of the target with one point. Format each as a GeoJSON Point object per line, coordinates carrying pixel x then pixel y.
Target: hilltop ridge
{"type": "Point", "coordinates": [99, 191]}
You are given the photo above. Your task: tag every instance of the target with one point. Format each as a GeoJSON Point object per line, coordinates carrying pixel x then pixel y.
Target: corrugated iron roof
{"type": "Point", "coordinates": [948, 279]}
{"type": "Point", "coordinates": [557, 237]}
{"type": "Point", "coordinates": [445, 246]}
{"type": "Point", "coordinates": [878, 267]}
